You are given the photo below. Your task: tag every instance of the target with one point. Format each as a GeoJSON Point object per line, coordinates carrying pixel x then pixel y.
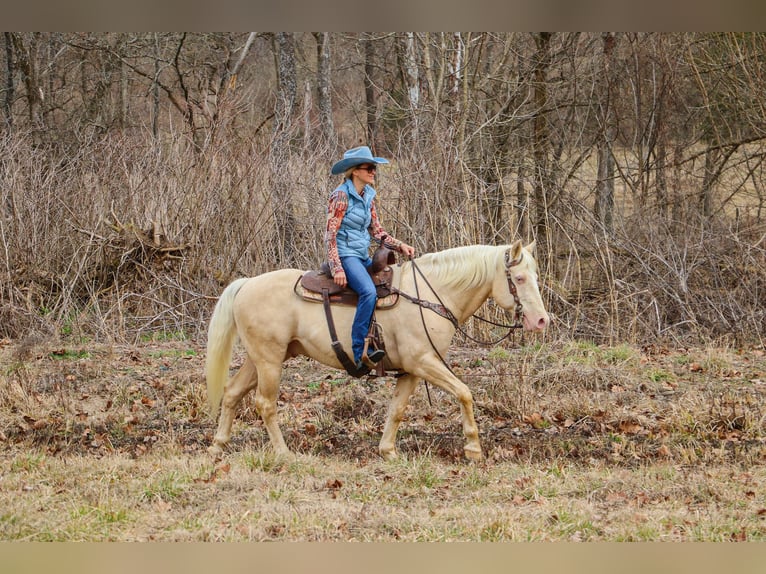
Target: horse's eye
{"type": "Point", "coordinates": [520, 279]}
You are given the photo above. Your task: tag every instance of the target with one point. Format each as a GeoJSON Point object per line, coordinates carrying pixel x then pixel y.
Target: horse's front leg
{"type": "Point", "coordinates": [239, 385]}
{"type": "Point", "coordinates": [435, 371]}
{"type": "Point", "coordinates": [405, 386]}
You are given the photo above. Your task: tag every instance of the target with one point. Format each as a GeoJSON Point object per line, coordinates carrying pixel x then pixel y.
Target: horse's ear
{"type": "Point", "coordinates": [516, 250]}
{"type": "Point", "coordinates": [532, 247]}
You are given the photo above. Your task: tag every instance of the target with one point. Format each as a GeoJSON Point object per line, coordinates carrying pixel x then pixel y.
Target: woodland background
{"type": "Point", "coordinates": [141, 172]}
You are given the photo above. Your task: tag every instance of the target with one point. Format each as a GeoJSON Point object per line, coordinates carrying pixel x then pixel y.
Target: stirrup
{"type": "Point", "coordinates": [371, 358]}
{"type": "Point", "coordinates": [376, 356]}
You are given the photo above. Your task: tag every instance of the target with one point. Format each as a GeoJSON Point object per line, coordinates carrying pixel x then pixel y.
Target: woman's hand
{"type": "Point", "coordinates": [407, 250]}
{"type": "Point", "coordinates": [340, 278]}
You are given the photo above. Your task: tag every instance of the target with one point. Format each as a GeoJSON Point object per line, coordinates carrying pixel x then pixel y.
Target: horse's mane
{"type": "Point", "coordinates": [462, 267]}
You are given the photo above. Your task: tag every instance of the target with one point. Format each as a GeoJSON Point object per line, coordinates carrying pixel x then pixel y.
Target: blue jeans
{"type": "Point", "coordinates": [360, 281]}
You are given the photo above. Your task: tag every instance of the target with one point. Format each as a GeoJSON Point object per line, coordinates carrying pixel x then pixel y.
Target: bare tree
{"type": "Point", "coordinates": [9, 82]}
{"type": "Point", "coordinates": [284, 113]}
{"type": "Point", "coordinates": [604, 206]}
{"type": "Point", "coordinates": [411, 77]}
{"type": "Point", "coordinates": [324, 87]}
{"type": "Point", "coordinates": [369, 89]}
{"type": "Point", "coordinates": [541, 138]}
{"type": "Point", "coordinates": [26, 48]}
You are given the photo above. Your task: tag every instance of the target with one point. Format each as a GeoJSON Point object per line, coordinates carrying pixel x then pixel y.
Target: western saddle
{"type": "Point", "coordinates": [319, 286]}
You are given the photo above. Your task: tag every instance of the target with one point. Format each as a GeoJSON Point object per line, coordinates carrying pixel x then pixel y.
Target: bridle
{"type": "Point", "coordinates": [518, 312]}
{"type": "Point", "coordinates": [442, 310]}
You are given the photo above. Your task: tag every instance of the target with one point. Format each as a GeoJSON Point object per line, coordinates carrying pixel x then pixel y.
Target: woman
{"type": "Point", "coordinates": [351, 220]}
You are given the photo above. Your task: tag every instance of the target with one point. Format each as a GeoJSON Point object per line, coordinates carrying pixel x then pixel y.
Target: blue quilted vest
{"type": "Point", "coordinates": [353, 236]}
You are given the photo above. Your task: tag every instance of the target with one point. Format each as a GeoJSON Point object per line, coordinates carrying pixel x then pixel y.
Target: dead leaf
{"type": "Point", "coordinates": [535, 420]}
{"type": "Point", "coordinates": [630, 427]}
{"type": "Point", "coordinates": [523, 482]}
{"type": "Point", "coordinates": [740, 536]}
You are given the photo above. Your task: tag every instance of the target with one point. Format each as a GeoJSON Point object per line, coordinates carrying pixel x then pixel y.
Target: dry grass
{"type": "Point", "coordinates": [583, 442]}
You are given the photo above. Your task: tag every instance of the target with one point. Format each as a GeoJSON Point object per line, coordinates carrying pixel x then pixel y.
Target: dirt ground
{"type": "Point", "coordinates": [577, 413]}
{"type": "Point", "coordinates": [96, 400]}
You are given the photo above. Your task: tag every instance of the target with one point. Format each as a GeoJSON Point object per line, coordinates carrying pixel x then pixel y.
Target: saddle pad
{"type": "Point", "coordinates": [383, 302]}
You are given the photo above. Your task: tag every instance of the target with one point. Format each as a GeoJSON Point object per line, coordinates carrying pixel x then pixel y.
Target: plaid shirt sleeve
{"type": "Point", "coordinates": [335, 212]}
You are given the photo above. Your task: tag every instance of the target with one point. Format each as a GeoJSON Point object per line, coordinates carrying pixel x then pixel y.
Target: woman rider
{"type": "Point", "coordinates": [351, 220]}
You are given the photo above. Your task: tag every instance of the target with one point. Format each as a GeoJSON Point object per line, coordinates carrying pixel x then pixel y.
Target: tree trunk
{"type": "Point", "coordinates": [708, 182]}
{"type": "Point", "coordinates": [9, 84]}
{"type": "Point", "coordinates": [124, 95]}
{"type": "Point", "coordinates": [522, 207]}
{"type": "Point", "coordinates": [324, 88]}
{"type": "Point", "coordinates": [369, 90]}
{"type": "Point", "coordinates": [491, 198]}
{"type": "Point", "coordinates": [412, 83]}
{"type": "Point", "coordinates": [541, 141]}
{"type": "Point", "coordinates": [604, 208]}
{"type": "Point", "coordinates": [26, 58]}
{"type": "Point", "coordinates": [156, 89]}
{"type": "Point", "coordinates": [662, 179]}
{"type": "Point", "coordinates": [284, 46]}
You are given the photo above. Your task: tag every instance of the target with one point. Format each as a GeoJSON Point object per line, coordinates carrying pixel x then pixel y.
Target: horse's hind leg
{"type": "Point", "coordinates": [405, 386]}
{"type": "Point", "coordinates": [269, 375]}
{"type": "Point", "coordinates": [239, 385]}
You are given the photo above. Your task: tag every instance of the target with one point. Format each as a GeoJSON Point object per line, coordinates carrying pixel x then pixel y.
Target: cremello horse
{"type": "Point", "coordinates": [275, 324]}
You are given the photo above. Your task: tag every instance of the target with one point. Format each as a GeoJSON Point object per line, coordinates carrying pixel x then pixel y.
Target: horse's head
{"type": "Point", "coordinates": [516, 287]}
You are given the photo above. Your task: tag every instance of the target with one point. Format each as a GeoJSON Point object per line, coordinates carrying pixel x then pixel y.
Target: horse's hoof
{"type": "Point", "coordinates": [285, 457]}
{"type": "Point", "coordinates": [215, 451]}
{"type": "Point", "coordinates": [389, 455]}
{"type": "Point", "coordinates": [473, 455]}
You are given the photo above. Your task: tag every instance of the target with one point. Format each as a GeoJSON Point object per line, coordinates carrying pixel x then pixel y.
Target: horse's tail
{"type": "Point", "coordinates": [221, 336]}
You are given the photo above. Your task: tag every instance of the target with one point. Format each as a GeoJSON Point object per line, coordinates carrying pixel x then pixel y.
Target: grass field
{"type": "Point", "coordinates": [582, 443]}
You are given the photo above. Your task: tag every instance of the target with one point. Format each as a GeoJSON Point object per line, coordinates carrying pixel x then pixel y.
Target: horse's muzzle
{"type": "Point", "coordinates": [537, 323]}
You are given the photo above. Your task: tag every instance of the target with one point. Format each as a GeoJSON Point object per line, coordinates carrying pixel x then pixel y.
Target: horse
{"type": "Point", "coordinates": [274, 324]}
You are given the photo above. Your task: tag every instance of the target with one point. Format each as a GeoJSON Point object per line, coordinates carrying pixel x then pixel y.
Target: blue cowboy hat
{"type": "Point", "coordinates": [356, 156]}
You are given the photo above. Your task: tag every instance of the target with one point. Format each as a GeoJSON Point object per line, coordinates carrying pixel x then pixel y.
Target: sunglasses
{"type": "Point", "coordinates": [369, 168]}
